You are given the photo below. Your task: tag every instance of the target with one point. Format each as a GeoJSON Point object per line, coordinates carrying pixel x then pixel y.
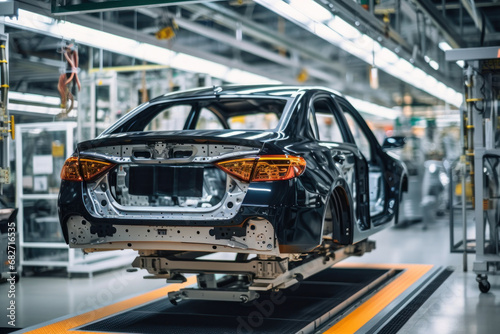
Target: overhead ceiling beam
{"type": "Point", "coordinates": [492, 52]}
{"type": "Point", "coordinates": [248, 46]}
{"type": "Point", "coordinates": [478, 5]}
{"type": "Point", "coordinates": [233, 20]}
{"type": "Point", "coordinates": [253, 30]}
{"type": "Point", "coordinates": [253, 49]}
{"type": "Point", "coordinates": [470, 7]}
{"type": "Point", "coordinates": [352, 9]}
{"type": "Point", "coordinates": [282, 73]}
{"type": "Point", "coordinates": [123, 31]}
{"type": "Point", "coordinates": [92, 7]}
{"type": "Point", "coordinates": [492, 37]}
{"type": "Point", "coordinates": [452, 37]}
{"type": "Point", "coordinates": [248, 27]}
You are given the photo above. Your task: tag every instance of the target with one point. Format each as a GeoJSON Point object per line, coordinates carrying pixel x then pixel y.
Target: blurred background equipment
{"type": "Point", "coordinates": [41, 149]}
{"type": "Point", "coordinates": [481, 155]}
{"type": "Point", "coordinates": [68, 80]}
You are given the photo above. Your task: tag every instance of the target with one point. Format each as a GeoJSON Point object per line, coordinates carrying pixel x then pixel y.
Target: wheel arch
{"type": "Point", "coordinates": [342, 214]}
{"type": "Point", "coordinates": [404, 183]}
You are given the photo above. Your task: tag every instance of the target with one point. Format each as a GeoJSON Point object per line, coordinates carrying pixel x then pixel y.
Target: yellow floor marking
{"type": "Point", "coordinates": [64, 326]}
{"type": "Point", "coordinates": [366, 311]}
{"type": "Point", "coordinates": [349, 324]}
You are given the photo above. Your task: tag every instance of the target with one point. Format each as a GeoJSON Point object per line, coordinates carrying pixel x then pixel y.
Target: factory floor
{"type": "Point", "coordinates": [456, 307]}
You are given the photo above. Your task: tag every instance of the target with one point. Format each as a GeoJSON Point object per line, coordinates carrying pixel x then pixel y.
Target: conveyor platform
{"type": "Point", "coordinates": [347, 298]}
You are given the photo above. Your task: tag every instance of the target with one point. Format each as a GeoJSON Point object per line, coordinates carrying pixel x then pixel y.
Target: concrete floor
{"type": "Point", "coordinates": [456, 307]}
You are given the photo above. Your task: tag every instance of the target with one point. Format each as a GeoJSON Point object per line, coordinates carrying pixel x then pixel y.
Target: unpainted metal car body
{"type": "Point", "coordinates": [267, 170]}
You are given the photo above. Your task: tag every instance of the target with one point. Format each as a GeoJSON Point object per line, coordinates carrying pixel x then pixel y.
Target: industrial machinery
{"type": "Point", "coordinates": [41, 149]}
{"type": "Point", "coordinates": [481, 154]}
{"type": "Point", "coordinates": [105, 96]}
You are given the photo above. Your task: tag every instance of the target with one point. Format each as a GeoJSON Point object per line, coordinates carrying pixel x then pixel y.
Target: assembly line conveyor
{"type": "Point", "coordinates": [346, 298]}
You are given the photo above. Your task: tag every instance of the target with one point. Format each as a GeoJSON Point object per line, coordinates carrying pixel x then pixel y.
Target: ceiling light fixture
{"type": "Point", "coordinates": [155, 54]}
{"type": "Point", "coordinates": [373, 109]}
{"type": "Point", "coordinates": [356, 43]}
{"type": "Point", "coordinates": [126, 46]}
{"type": "Point", "coordinates": [444, 46]}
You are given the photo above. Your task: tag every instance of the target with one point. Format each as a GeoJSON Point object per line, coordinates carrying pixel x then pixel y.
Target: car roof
{"type": "Point", "coordinates": [268, 90]}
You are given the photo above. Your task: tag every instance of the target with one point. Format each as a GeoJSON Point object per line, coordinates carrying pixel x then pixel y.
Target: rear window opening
{"type": "Point", "coordinates": [261, 121]}
{"type": "Point", "coordinates": [210, 114]}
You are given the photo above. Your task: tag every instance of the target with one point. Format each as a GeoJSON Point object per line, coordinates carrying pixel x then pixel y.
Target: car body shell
{"type": "Point", "coordinates": [336, 183]}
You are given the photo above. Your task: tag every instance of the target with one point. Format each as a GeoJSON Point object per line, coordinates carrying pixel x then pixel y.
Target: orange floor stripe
{"type": "Point", "coordinates": [64, 326]}
{"type": "Point", "coordinates": [369, 309]}
{"type": "Point", "coordinates": [349, 324]}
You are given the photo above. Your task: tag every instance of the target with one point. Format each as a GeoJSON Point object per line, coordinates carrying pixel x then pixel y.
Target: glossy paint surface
{"type": "Point", "coordinates": [335, 173]}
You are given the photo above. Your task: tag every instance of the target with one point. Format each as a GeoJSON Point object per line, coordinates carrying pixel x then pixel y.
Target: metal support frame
{"type": "Point", "coordinates": [227, 18]}
{"type": "Point", "coordinates": [480, 145]}
{"type": "Point", "coordinates": [492, 52]}
{"type": "Point", "coordinates": [310, 268]}
{"type": "Point", "coordinates": [471, 8]}
{"type": "Point", "coordinates": [452, 37]}
{"type": "Point", "coordinates": [351, 9]}
{"type": "Point", "coordinates": [261, 274]}
{"type": "Point", "coordinates": [463, 209]}
{"type": "Point", "coordinates": [252, 48]}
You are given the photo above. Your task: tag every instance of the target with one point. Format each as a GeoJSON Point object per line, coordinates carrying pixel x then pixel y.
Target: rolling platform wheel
{"type": "Point", "coordinates": [175, 298]}
{"type": "Point", "coordinates": [484, 285]}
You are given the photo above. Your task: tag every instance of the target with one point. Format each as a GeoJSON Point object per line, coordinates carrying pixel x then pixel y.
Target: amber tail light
{"type": "Point", "coordinates": [75, 169]}
{"type": "Point", "coordinates": [264, 168]}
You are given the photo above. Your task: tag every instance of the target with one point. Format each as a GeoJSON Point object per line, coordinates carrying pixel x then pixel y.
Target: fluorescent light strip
{"type": "Point", "coordinates": [51, 106]}
{"type": "Point", "coordinates": [158, 55]}
{"type": "Point", "coordinates": [34, 98]}
{"type": "Point", "coordinates": [34, 109]}
{"type": "Point", "coordinates": [357, 44]}
{"type": "Point", "coordinates": [373, 109]}
{"type": "Point", "coordinates": [126, 46]}
{"type": "Point", "coordinates": [311, 10]}
{"type": "Point", "coordinates": [444, 46]}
